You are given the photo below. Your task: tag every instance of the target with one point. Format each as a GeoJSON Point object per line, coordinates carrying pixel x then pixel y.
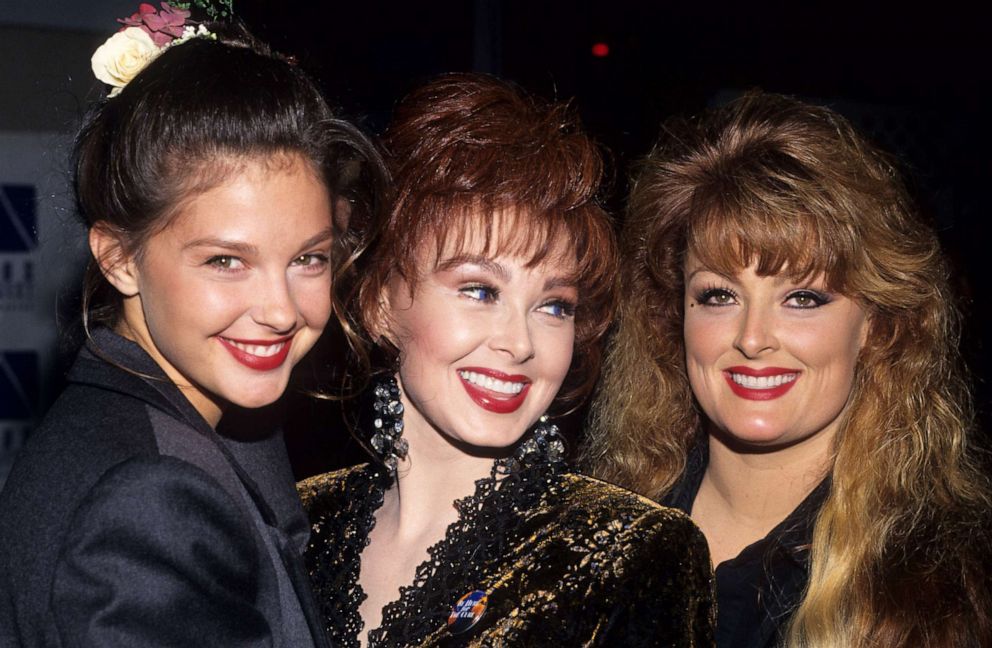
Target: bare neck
{"type": "Point", "coordinates": [414, 516]}
{"type": "Point", "coordinates": [744, 495]}
{"type": "Point", "coordinates": [427, 486]}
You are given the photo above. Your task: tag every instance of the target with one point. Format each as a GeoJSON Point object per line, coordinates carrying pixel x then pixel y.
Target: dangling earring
{"type": "Point", "coordinates": [544, 444]}
{"type": "Point", "coordinates": [388, 423]}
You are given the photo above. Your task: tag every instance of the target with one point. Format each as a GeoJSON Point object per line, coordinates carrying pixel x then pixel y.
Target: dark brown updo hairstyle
{"type": "Point", "coordinates": [176, 128]}
{"type": "Point", "coordinates": [468, 152]}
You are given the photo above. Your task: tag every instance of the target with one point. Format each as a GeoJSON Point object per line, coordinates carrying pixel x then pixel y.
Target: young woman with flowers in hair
{"type": "Point", "coordinates": [216, 187]}
{"type": "Point", "coordinates": [489, 289]}
{"type": "Point", "coordinates": [786, 370]}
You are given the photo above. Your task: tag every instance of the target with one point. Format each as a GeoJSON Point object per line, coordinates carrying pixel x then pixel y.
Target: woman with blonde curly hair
{"type": "Point", "coordinates": [786, 370]}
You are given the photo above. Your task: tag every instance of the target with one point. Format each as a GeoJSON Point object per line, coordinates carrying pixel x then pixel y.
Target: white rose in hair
{"type": "Point", "coordinates": [124, 54]}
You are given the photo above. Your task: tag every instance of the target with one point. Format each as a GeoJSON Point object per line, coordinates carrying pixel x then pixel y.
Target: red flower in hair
{"type": "Point", "coordinates": [163, 26]}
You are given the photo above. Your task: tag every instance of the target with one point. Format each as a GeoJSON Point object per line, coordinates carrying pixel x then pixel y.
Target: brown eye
{"type": "Point", "coordinates": [806, 299]}
{"type": "Point", "coordinates": [225, 262]}
{"type": "Point", "coordinates": [717, 297]}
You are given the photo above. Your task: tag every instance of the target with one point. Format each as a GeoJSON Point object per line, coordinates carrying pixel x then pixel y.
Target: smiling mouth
{"type": "Point", "coordinates": [760, 384]}
{"type": "Point", "coordinates": [493, 390]}
{"type": "Point", "coordinates": [260, 355]}
{"type": "Point", "coordinates": [508, 387]}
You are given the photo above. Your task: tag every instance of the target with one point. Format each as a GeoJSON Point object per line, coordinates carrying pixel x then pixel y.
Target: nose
{"type": "Point", "coordinates": [275, 306]}
{"type": "Point", "coordinates": [756, 335]}
{"type": "Point", "coordinates": [512, 336]}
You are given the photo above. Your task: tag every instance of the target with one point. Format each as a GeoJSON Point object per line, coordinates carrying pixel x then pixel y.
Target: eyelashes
{"type": "Point", "coordinates": [559, 308]}
{"type": "Point", "coordinates": [713, 296]}
{"type": "Point", "coordinates": [225, 263]}
{"type": "Point", "coordinates": [555, 307]}
{"type": "Point", "coordinates": [310, 263]}
{"type": "Point", "coordinates": [807, 298]}
{"type": "Point", "coordinates": [800, 299]}
{"type": "Point", "coordinates": [480, 292]}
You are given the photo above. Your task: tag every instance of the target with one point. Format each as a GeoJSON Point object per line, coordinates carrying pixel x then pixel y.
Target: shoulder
{"type": "Point", "coordinates": [151, 512]}
{"type": "Point", "coordinates": [597, 501]}
{"type": "Point", "coordinates": [87, 433]}
{"type": "Point", "coordinates": [639, 573]}
{"type": "Point", "coordinates": [641, 543]}
{"type": "Point", "coordinates": [320, 491]}
{"type": "Point", "coordinates": [159, 493]}
{"type": "Point", "coordinates": [159, 538]}
{"type": "Point", "coordinates": [87, 421]}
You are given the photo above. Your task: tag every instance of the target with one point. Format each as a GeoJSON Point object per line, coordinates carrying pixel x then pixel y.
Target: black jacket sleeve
{"type": "Point", "coordinates": [158, 555]}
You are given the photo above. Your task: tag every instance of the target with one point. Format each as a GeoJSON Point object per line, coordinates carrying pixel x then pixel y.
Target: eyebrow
{"type": "Point", "coordinates": [234, 246]}
{"type": "Point", "coordinates": [486, 264]}
{"type": "Point", "coordinates": [248, 249]}
{"type": "Point", "coordinates": [323, 235]}
{"type": "Point", "coordinates": [500, 270]}
{"type": "Point", "coordinates": [559, 282]}
{"type": "Point", "coordinates": [710, 270]}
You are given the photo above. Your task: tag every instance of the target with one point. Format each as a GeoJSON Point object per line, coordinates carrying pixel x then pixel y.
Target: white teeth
{"type": "Point", "coordinates": [762, 382]}
{"type": "Point", "coordinates": [492, 384]}
{"type": "Point", "coordinates": [260, 350]}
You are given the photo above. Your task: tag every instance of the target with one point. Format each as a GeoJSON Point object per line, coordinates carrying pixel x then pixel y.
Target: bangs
{"type": "Point", "coordinates": [796, 243]}
{"type": "Point", "coordinates": [576, 238]}
{"type": "Point", "coordinates": [503, 233]}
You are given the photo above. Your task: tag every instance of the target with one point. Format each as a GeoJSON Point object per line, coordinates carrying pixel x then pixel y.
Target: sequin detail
{"type": "Point", "coordinates": [564, 559]}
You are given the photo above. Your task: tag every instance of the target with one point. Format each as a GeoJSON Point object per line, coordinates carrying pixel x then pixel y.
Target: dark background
{"type": "Point", "coordinates": [915, 80]}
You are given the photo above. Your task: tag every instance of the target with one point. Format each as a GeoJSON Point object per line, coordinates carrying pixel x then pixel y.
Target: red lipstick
{"type": "Point", "coordinates": [495, 401]}
{"type": "Point", "coordinates": [256, 362]}
{"type": "Point", "coordinates": [757, 393]}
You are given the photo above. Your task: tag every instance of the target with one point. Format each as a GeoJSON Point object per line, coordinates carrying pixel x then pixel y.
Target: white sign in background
{"type": "Point", "coordinates": [42, 256]}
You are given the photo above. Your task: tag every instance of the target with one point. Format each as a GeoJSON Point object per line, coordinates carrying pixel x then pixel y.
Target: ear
{"type": "Point", "coordinates": [381, 324]}
{"type": "Point", "coordinates": [109, 250]}
{"type": "Point", "coordinates": [341, 214]}
{"type": "Point", "coordinates": [867, 334]}
{"type": "Point", "coordinates": [378, 317]}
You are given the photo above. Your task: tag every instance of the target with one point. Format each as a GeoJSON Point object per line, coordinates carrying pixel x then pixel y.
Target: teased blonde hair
{"type": "Point", "coordinates": [791, 187]}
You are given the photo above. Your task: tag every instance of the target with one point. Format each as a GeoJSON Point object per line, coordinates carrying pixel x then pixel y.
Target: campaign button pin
{"type": "Point", "coordinates": [467, 611]}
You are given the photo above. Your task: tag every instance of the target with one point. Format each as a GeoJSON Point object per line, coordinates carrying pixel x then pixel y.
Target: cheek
{"type": "Point", "coordinates": [704, 338]}
{"type": "Point", "coordinates": [564, 353]}
{"type": "Point", "coordinates": [438, 337]}
{"type": "Point", "coordinates": [835, 345]}
{"type": "Point", "coordinates": [182, 303]}
{"type": "Point", "coordinates": [313, 299]}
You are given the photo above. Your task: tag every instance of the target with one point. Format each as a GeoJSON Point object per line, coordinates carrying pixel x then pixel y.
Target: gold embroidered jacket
{"type": "Point", "coordinates": [564, 559]}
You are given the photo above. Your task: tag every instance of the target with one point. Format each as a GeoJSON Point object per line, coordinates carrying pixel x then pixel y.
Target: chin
{"type": "Point", "coordinates": [254, 401]}
{"type": "Point", "coordinates": [488, 443]}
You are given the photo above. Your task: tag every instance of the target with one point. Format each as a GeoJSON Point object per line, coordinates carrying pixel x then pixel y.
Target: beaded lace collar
{"type": "Point", "coordinates": [486, 524]}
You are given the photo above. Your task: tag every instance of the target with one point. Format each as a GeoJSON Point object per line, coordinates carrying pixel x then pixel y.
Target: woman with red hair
{"type": "Point", "coordinates": [487, 294]}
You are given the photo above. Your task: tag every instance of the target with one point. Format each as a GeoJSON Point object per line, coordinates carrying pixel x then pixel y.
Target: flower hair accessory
{"type": "Point", "coordinates": [145, 35]}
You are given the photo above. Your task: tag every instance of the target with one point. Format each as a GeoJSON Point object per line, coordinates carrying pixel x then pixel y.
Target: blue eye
{"type": "Point", "coordinates": [806, 299]}
{"type": "Point", "coordinates": [558, 308]}
{"type": "Point", "coordinates": [480, 293]}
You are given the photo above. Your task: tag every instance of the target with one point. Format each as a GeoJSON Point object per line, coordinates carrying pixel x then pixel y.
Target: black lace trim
{"type": "Point", "coordinates": [472, 547]}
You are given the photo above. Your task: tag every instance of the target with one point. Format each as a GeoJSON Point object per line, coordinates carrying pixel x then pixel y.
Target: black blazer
{"type": "Point", "coordinates": [126, 520]}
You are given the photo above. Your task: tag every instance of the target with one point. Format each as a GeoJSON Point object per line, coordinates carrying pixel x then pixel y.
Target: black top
{"type": "Point", "coordinates": [563, 560]}
{"type": "Point", "coordinates": [756, 591]}
{"type": "Point", "coordinates": [127, 521]}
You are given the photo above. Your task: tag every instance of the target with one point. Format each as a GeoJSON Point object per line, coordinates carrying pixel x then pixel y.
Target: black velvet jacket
{"type": "Point", "coordinates": [757, 591]}
{"type": "Point", "coordinates": [565, 560]}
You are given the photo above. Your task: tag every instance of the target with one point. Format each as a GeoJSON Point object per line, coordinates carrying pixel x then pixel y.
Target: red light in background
{"type": "Point", "coordinates": [600, 50]}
